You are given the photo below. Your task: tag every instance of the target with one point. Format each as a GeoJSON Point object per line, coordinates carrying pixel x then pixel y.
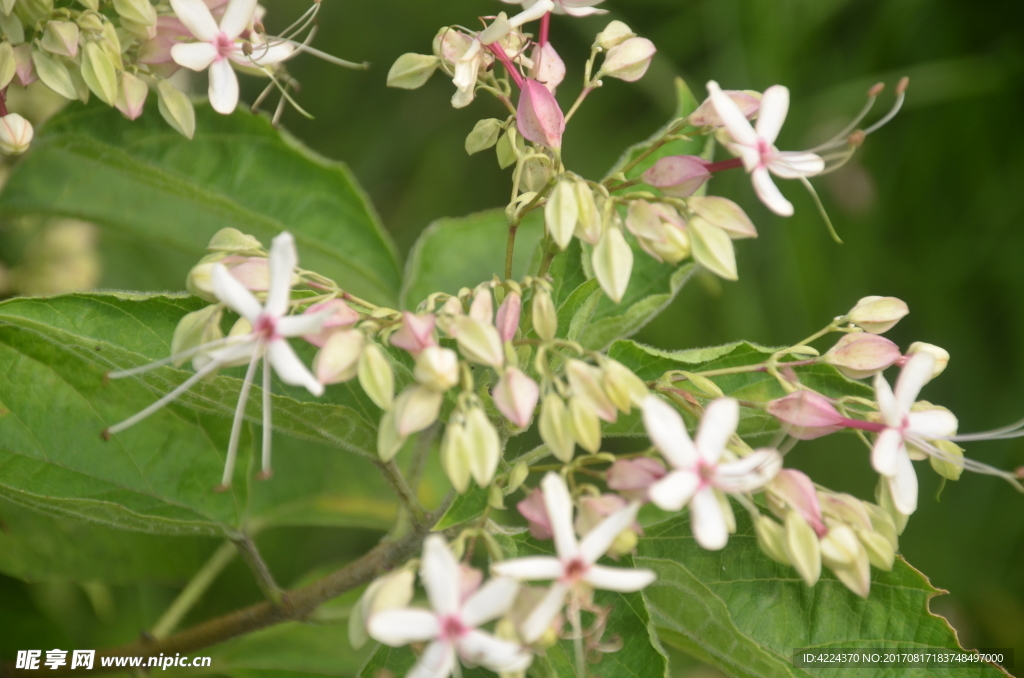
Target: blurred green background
{"type": "Point", "coordinates": [930, 211]}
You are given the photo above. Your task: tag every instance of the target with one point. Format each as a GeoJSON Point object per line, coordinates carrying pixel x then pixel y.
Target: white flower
{"type": "Point", "coordinates": [451, 624]}
{"type": "Point", "coordinates": [575, 566]}
{"type": "Point", "coordinates": [889, 455]}
{"type": "Point", "coordinates": [699, 474]}
{"type": "Point", "coordinates": [270, 326]}
{"type": "Point", "coordinates": [756, 146]}
{"type": "Point", "coordinates": [570, 7]}
{"type": "Point", "coordinates": [218, 46]}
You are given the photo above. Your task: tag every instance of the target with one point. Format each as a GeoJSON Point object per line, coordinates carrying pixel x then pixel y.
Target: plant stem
{"type": "Point", "coordinates": [251, 555]}
{"type": "Point", "coordinates": [499, 53]}
{"type": "Point", "coordinates": [193, 591]}
{"type": "Point", "coordinates": [545, 28]}
{"type": "Point", "coordinates": [577, 641]}
{"type": "Point", "coordinates": [393, 476]}
{"type": "Point", "coordinates": [3, 101]}
{"type": "Point", "coordinates": [579, 100]}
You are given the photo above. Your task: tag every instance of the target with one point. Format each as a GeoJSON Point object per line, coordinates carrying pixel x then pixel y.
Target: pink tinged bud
{"type": "Point", "coordinates": [507, 321]}
{"type": "Point", "coordinates": [131, 96]}
{"type": "Point", "coordinates": [632, 477]}
{"type": "Point", "coordinates": [878, 314]}
{"type": "Point", "coordinates": [725, 214]}
{"type": "Point", "coordinates": [482, 308]}
{"type": "Point", "coordinates": [416, 408]}
{"type": "Point", "coordinates": [342, 316]}
{"type": "Point", "coordinates": [416, 334]}
{"type": "Point", "coordinates": [797, 491]}
{"type": "Point", "coordinates": [533, 509]}
{"type": "Point", "coordinates": [25, 70]}
{"type": "Point", "coordinates": [338, 360]}
{"type": "Point", "coordinates": [538, 116]}
{"type": "Point", "coordinates": [806, 415]}
{"type": "Point", "coordinates": [706, 114]}
{"type": "Point", "coordinates": [252, 272]}
{"type": "Point", "coordinates": [516, 397]}
{"type": "Point", "coordinates": [678, 176]}
{"type": "Point", "coordinates": [548, 67]}
{"type": "Point", "coordinates": [15, 134]}
{"type": "Point", "coordinates": [859, 356]}
{"type": "Point", "coordinates": [437, 368]}
{"type": "Point", "coordinates": [629, 60]}
{"type": "Point", "coordinates": [940, 354]}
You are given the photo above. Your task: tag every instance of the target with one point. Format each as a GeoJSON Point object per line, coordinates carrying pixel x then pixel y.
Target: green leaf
{"type": "Point", "coordinates": [463, 252]}
{"type": "Point", "coordinates": [465, 507]}
{"type": "Point", "coordinates": [159, 198]}
{"type": "Point", "coordinates": [158, 476]}
{"type": "Point", "coordinates": [745, 614]}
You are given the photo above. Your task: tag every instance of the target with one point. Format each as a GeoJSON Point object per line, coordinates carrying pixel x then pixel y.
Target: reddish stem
{"type": "Point", "coordinates": [3, 101]}
{"type": "Point", "coordinates": [545, 25]}
{"type": "Point", "coordinates": [871, 426]}
{"type": "Point", "coordinates": [498, 52]}
{"type": "Point", "coordinates": [724, 165]}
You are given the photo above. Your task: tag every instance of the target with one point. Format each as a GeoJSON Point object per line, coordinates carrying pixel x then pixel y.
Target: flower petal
{"type": "Point", "coordinates": [559, 506]}
{"type": "Point", "coordinates": [306, 323]}
{"type": "Point", "coordinates": [717, 425]}
{"type": "Point", "coordinates": [196, 17]}
{"type": "Point", "coordinates": [599, 539]}
{"type": "Point", "coordinates": [223, 90]}
{"type": "Point", "coordinates": [290, 369]}
{"type": "Point", "coordinates": [667, 432]}
{"type": "Point", "coordinates": [932, 424]}
{"type": "Point", "coordinates": [530, 568]}
{"type": "Point", "coordinates": [769, 193]}
{"type": "Point", "coordinates": [887, 404]}
{"type": "Point", "coordinates": [491, 601]}
{"type": "Point", "coordinates": [403, 626]}
{"type": "Point", "coordinates": [283, 260]}
{"type": "Point", "coordinates": [541, 617]}
{"type": "Point", "coordinates": [266, 55]}
{"type": "Point", "coordinates": [232, 293]}
{"type": "Point", "coordinates": [774, 107]}
{"type": "Point", "coordinates": [707, 521]}
{"type": "Point", "coordinates": [887, 450]}
{"type": "Point", "coordinates": [793, 165]}
{"type": "Point", "coordinates": [903, 486]}
{"type": "Point", "coordinates": [440, 574]}
{"type": "Point", "coordinates": [483, 649]}
{"type": "Point", "coordinates": [194, 55]}
{"type": "Point", "coordinates": [674, 491]}
{"type": "Point", "coordinates": [749, 473]}
{"type": "Point", "coordinates": [915, 374]}
{"type": "Point", "coordinates": [735, 122]}
{"type": "Point", "coordinates": [238, 16]}
{"type": "Point", "coordinates": [437, 661]}
{"type": "Point", "coordinates": [621, 579]}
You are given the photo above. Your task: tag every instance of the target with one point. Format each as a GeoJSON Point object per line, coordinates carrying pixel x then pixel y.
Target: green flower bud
{"type": "Point", "coordinates": [12, 28]}
{"type": "Point", "coordinates": [99, 73]}
{"type": "Point", "coordinates": [856, 577]}
{"type": "Point", "coordinates": [941, 355]}
{"type": "Point", "coordinates": [880, 551]}
{"type": "Point", "coordinates": [840, 547]}
{"type": "Point", "coordinates": [508, 147]}
{"type": "Point", "coordinates": [586, 383]}
{"type": "Point", "coordinates": [139, 12]}
{"type": "Point", "coordinates": [556, 428]}
{"type": "Point", "coordinates": [516, 477]}
{"type": "Point", "coordinates": [628, 60]}
{"type": "Point", "coordinates": [90, 22]}
{"type": "Point", "coordinates": [950, 470]}
{"type": "Point", "coordinates": [60, 38]}
{"type": "Point", "coordinates": [376, 376]}
{"type": "Point", "coordinates": [93, 5]}
{"type": "Point", "coordinates": [723, 213]}
{"type": "Point", "coordinates": [455, 455]}
{"type": "Point", "coordinates": [437, 368]}
{"type": "Point", "coordinates": [338, 360]}
{"type": "Point", "coordinates": [176, 109]}
{"type": "Point", "coordinates": [389, 592]}
{"type": "Point", "coordinates": [8, 64]}
{"type": "Point", "coordinates": [878, 314]}
{"type": "Point", "coordinates": [586, 427]}
{"type": "Point", "coordinates": [624, 389]}
{"type": "Point", "coordinates": [478, 342]}
{"type": "Point", "coordinates": [613, 264]}
{"type": "Point", "coordinates": [484, 446]}
{"type": "Point", "coordinates": [195, 329]}
{"type": "Point", "coordinates": [544, 315]}
{"type": "Point", "coordinates": [561, 213]}
{"type": "Point", "coordinates": [411, 71]}
{"type": "Point", "coordinates": [233, 241]}
{"type": "Point", "coordinates": [131, 96]}
{"type": "Point", "coordinates": [484, 135]}
{"type": "Point", "coordinates": [389, 440]}
{"type": "Point", "coordinates": [614, 34]}
{"type": "Point", "coordinates": [771, 539]}
{"type": "Point", "coordinates": [416, 408]}
{"type": "Point", "coordinates": [802, 548]}
{"type": "Point", "coordinates": [712, 248]}
{"type": "Point", "coordinates": [589, 224]}
{"type": "Point", "coordinates": [54, 74]}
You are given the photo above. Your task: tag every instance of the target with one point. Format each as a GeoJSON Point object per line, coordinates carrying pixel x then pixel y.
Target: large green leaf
{"type": "Point", "coordinates": [159, 197]}
{"type": "Point", "coordinates": [158, 476]}
{"type": "Point", "coordinates": [746, 614]}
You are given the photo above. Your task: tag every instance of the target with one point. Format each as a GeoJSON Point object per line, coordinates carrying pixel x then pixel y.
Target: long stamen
{"type": "Point", "coordinates": [268, 428]}
{"type": "Point", "coordinates": [236, 425]}
{"type": "Point", "coordinates": [183, 355]}
{"type": "Point", "coordinates": [901, 95]}
{"type": "Point", "coordinates": [841, 136]}
{"type": "Point", "coordinates": [302, 47]}
{"type": "Point", "coordinates": [303, 21]}
{"type": "Point", "coordinates": [969, 464]}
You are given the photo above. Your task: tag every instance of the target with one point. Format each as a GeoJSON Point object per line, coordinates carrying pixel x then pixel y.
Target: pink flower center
{"type": "Point", "coordinates": [706, 473]}
{"type": "Point", "coordinates": [225, 45]}
{"type": "Point", "coordinates": [575, 569]}
{"type": "Point", "coordinates": [452, 628]}
{"type": "Point", "coordinates": [267, 327]}
{"type": "Point", "coordinates": [765, 150]}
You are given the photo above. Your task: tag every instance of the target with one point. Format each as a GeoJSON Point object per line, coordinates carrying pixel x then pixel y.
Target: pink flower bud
{"type": "Point", "coordinates": [416, 334]}
{"type": "Point", "coordinates": [516, 396]}
{"type": "Point", "coordinates": [342, 316]}
{"type": "Point", "coordinates": [15, 134]}
{"type": "Point", "coordinates": [797, 491]}
{"type": "Point", "coordinates": [482, 308]}
{"type": "Point", "coordinates": [859, 356]}
{"type": "Point", "coordinates": [678, 176]}
{"type": "Point", "coordinates": [706, 114]}
{"type": "Point", "coordinates": [538, 116]}
{"type": "Point", "coordinates": [548, 67]}
{"type": "Point", "coordinates": [806, 415]}
{"type": "Point", "coordinates": [878, 314]}
{"type": "Point", "coordinates": [536, 513]}
{"type": "Point", "coordinates": [507, 321]}
{"type": "Point", "coordinates": [629, 60]}
{"type": "Point", "coordinates": [632, 477]}
{"type": "Point", "coordinates": [24, 70]}
{"type": "Point", "coordinates": [252, 272]}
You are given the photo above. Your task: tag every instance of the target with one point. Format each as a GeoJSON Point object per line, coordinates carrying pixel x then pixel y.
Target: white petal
{"type": "Point", "coordinates": [750, 156]}
{"type": "Point", "coordinates": [915, 374]}
{"type": "Point", "coordinates": [749, 473]}
{"type": "Point", "coordinates": [583, 11]}
{"type": "Point", "coordinates": [771, 115]}
{"type": "Point", "coordinates": [232, 293]}
{"type": "Point", "coordinates": [283, 260]}
{"type": "Point", "coordinates": [732, 117]}
{"type": "Point", "coordinates": [483, 649]}
{"type": "Point", "coordinates": [194, 55]}
{"type": "Point", "coordinates": [197, 18]}
{"type": "Point", "coordinates": [887, 405]}
{"type": "Point", "coordinates": [238, 15]}
{"type": "Point", "coordinates": [667, 432]}
{"type": "Point", "coordinates": [535, 12]}
{"type": "Point", "coordinates": [599, 539]}
{"type": "Point", "coordinates": [792, 165]}
{"type": "Point", "coordinates": [491, 601]}
{"type": "Point", "coordinates": [769, 193]}
{"type": "Point", "coordinates": [674, 491]}
{"type": "Point", "coordinates": [530, 568]}
{"type": "Point", "coordinates": [717, 425]}
{"type": "Point", "coordinates": [223, 87]}
{"type": "Point", "coordinates": [541, 617]}
{"type": "Point", "coordinates": [622, 579]}
{"type": "Point", "coordinates": [290, 369]}
{"type": "Point", "coordinates": [559, 506]}
{"type": "Point", "coordinates": [886, 452]}
{"type": "Point", "coordinates": [305, 323]}
{"type": "Point", "coordinates": [265, 56]}
{"type": "Point", "coordinates": [932, 424]}
{"type": "Point", "coordinates": [403, 626]}
{"type": "Point", "coordinates": [437, 661]}
{"type": "Point", "coordinates": [903, 486]}
{"type": "Point", "coordinates": [707, 521]}
{"type": "Point", "coordinates": [440, 574]}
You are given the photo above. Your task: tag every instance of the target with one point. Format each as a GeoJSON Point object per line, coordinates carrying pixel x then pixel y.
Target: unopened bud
{"type": "Point", "coordinates": [232, 241]}
{"type": "Point", "coordinates": [196, 329]}
{"type": "Point", "coordinates": [613, 264]}
{"type": "Point", "coordinates": [389, 440]}
{"type": "Point", "coordinates": [845, 508]}
{"type": "Point", "coordinates": [484, 446]}
{"type": "Point", "coordinates": [771, 538]}
{"type": "Point", "coordinates": [535, 511]}
{"type": "Point", "coordinates": [15, 134]}
{"type": "Point", "coordinates": [515, 396]}
{"type": "Point", "coordinates": [586, 383]}
{"type": "Point", "coordinates": [91, 22]}
{"type": "Point", "coordinates": [99, 73]}
{"type": "Point", "coordinates": [707, 115]}
{"type": "Point", "coordinates": [338, 360]}
{"type": "Point", "coordinates": [593, 511]}
{"type": "Point", "coordinates": [61, 38]}
{"type": "Point", "coordinates": [802, 548]}
{"type": "Point", "coordinates": [859, 356]}
{"type": "Point", "coordinates": [508, 147]}
{"type": "Point", "coordinates": [416, 333]}
{"type": "Point", "coordinates": [796, 491]}
{"type": "Point", "coordinates": [507, 320]}
{"type": "Point", "coordinates": [538, 116]}
{"type": "Point", "coordinates": [556, 428]}
{"type": "Point", "coordinates": [545, 317]}
{"type": "Point", "coordinates": [376, 376]}
{"type": "Point", "coordinates": [941, 355]}
{"type": "Point", "coordinates": [411, 71]}
{"type": "Point", "coordinates": [416, 408]}
{"type": "Point", "coordinates": [484, 135]}
{"type": "Point", "coordinates": [176, 109]}
{"type": "Point", "coordinates": [517, 476]}
{"type": "Point", "coordinates": [678, 176]}
{"type": "Point", "coordinates": [723, 213]}
{"type": "Point", "coordinates": [25, 69]}
{"type": "Point", "coordinates": [139, 12]}
{"type": "Point", "coordinates": [883, 495]}
{"type": "Point", "coordinates": [548, 67]}
{"type": "Point", "coordinates": [586, 427]}
{"type": "Point", "coordinates": [131, 96]}
{"type": "Point", "coordinates": [623, 387]}
{"type": "Point", "coordinates": [478, 342]}
{"type": "Point", "coordinates": [660, 230]}
{"type": "Point", "coordinates": [628, 60]}
{"type": "Point", "coordinates": [54, 74]}
{"type": "Point", "coordinates": [437, 368]}
{"type": "Point", "coordinates": [561, 213]}
{"type": "Point", "coordinates": [880, 551]}
{"type": "Point", "coordinates": [8, 64]}
{"type": "Point", "coordinates": [840, 548]}
{"type": "Point", "coordinates": [482, 308]}
{"type": "Point", "coordinates": [589, 225]}
{"type": "Point", "coordinates": [389, 592]}
{"type": "Point", "coordinates": [614, 34]}
{"type": "Point", "coordinates": [952, 466]}
{"type": "Point", "coordinates": [341, 316]}
{"type": "Point", "coordinates": [806, 415]}
{"type": "Point", "coordinates": [632, 477]}
{"type": "Point", "coordinates": [878, 314]}
{"type": "Point", "coordinates": [712, 248]}
{"type": "Point", "coordinates": [455, 455]}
